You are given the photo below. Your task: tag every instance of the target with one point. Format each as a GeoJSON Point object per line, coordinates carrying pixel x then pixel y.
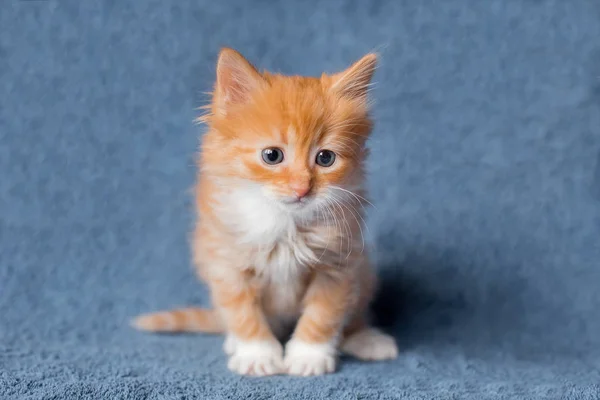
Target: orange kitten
{"type": "Point", "coordinates": [279, 237]}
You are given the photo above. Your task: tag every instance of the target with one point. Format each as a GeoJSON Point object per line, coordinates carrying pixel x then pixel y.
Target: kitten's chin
{"type": "Point", "coordinates": [300, 207]}
{"type": "Point", "coordinates": [294, 204]}
{"type": "Point", "coordinates": [303, 208]}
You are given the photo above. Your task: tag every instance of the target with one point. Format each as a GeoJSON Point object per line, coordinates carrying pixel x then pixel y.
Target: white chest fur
{"type": "Point", "coordinates": [278, 248]}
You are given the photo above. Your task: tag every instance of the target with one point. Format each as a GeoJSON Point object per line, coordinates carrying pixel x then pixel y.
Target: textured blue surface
{"type": "Point", "coordinates": [485, 176]}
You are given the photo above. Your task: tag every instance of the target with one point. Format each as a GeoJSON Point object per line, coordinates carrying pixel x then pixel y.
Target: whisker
{"type": "Point", "coordinates": [345, 147]}
{"type": "Point", "coordinates": [358, 197]}
{"type": "Point", "coordinates": [353, 212]}
{"type": "Point", "coordinates": [347, 228]}
{"type": "Point", "coordinates": [327, 241]}
{"type": "Point", "coordinates": [337, 225]}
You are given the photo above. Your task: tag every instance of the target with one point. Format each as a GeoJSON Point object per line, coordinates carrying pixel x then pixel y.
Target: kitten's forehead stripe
{"type": "Point", "coordinates": [290, 135]}
{"type": "Point", "coordinates": [278, 135]}
{"type": "Point", "coordinates": [319, 133]}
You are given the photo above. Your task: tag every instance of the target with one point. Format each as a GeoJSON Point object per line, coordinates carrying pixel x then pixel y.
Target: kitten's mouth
{"type": "Point", "coordinates": [296, 201]}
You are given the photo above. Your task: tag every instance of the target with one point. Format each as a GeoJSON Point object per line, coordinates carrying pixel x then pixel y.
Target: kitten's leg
{"type": "Point", "coordinates": [312, 349]}
{"type": "Point", "coordinates": [252, 347]}
{"type": "Point", "coordinates": [361, 340]}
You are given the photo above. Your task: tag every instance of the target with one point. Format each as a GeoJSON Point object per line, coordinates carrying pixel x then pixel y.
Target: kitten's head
{"type": "Point", "coordinates": [295, 140]}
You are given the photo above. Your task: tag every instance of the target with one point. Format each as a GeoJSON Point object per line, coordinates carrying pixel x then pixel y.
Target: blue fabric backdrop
{"type": "Point", "coordinates": [485, 174]}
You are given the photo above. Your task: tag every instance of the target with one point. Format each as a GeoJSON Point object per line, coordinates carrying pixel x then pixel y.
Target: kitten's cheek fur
{"type": "Point", "coordinates": [307, 359]}
{"type": "Point", "coordinates": [257, 358]}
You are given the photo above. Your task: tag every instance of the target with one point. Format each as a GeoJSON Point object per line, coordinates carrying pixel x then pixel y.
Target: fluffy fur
{"type": "Point", "coordinates": [281, 246]}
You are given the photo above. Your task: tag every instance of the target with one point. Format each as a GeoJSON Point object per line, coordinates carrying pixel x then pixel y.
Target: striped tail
{"type": "Point", "coordinates": [182, 320]}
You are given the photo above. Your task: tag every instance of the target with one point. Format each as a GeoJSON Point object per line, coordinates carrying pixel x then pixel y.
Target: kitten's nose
{"type": "Point", "coordinates": [300, 189]}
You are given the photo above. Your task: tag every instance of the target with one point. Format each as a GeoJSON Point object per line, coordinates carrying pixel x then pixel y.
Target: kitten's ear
{"type": "Point", "coordinates": [236, 79]}
{"type": "Point", "coordinates": [354, 82]}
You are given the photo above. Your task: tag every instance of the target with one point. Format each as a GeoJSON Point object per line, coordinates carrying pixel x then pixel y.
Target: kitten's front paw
{"type": "Point", "coordinates": [229, 344]}
{"type": "Point", "coordinates": [257, 358]}
{"type": "Point", "coordinates": [306, 359]}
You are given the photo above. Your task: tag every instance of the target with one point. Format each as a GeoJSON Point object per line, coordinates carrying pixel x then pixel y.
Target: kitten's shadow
{"type": "Point", "coordinates": [433, 301]}
{"type": "Point", "coordinates": [406, 308]}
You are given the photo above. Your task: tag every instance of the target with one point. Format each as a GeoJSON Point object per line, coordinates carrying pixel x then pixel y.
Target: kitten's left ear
{"type": "Point", "coordinates": [354, 82]}
{"type": "Point", "coordinates": [237, 79]}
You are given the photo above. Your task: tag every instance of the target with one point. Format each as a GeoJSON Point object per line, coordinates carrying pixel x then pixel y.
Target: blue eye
{"type": "Point", "coordinates": [272, 155]}
{"type": "Point", "coordinates": [325, 158]}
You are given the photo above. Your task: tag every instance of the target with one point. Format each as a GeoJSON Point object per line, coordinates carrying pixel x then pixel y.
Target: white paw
{"type": "Point", "coordinates": [370, 344]}
{"type": "Point", "coordinates": [229, 344]}
{"type": "Point", "coordinates": [258, 358]}
{"type": "Point", "coordinates": [306, 359]}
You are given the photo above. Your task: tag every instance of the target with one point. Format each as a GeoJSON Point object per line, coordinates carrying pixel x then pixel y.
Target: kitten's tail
{"type": "Point", "coordinates": [181, 320]}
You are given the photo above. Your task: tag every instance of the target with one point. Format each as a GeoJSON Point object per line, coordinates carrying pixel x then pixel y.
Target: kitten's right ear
{"type": "Point", "coordinates": [236, 79]}
{"type": "Point", "coordinates": [354, 82]}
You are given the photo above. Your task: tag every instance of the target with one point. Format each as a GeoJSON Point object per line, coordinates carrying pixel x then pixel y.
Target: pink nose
{"type": "Point", "coordinates": [300, 189]}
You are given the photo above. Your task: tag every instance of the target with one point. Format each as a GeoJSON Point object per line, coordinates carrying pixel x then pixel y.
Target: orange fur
{"type": "Point", "coordinates": [268, 256]}
{"type": "Point", "coordinates": [182, 320]}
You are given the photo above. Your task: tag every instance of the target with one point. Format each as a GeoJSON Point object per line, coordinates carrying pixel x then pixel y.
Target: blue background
{"type": "Point", "coordinates": [485, 175]}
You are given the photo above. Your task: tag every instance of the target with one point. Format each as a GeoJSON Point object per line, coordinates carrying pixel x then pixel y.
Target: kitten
{"type": "Point", "coordinates": [279, 238]}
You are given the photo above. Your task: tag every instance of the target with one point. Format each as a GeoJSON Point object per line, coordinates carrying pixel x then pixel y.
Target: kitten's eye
{"type": "Point", "coordinates": [325, 158]}
{"type": "Point", "coordinates": [272, 155]}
